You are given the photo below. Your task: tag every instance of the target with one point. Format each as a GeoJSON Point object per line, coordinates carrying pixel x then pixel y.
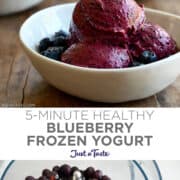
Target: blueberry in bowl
{"type": "Point", "coordinates": [148, 57]}
{"type": "Point", "coordinates": [53, 48]}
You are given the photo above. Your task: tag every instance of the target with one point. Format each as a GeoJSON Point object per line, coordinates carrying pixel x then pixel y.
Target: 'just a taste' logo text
{"type": "Point", "coordinates": [92, 153]}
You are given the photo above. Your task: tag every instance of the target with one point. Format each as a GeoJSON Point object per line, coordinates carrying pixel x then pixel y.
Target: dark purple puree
{"type": "Point", "coordinates": [114, 34]}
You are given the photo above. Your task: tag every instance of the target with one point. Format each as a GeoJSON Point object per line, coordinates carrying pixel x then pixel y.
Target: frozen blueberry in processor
{"type": "Point", "coordinates": [56, 168]}
{"type": "Point", "coordinates": [64, 171]}
{"type": "Point", "coordinates": [53, 52]}
{"type": "Point", "coordinates": [30, 178]}
{"type": "Point", "coordinates": [148, 57]}
{"type": "Point", "coordinates": [98, 174]}
{"type": "Point", "coordinates": [43, 178]}
{"type": "Point", "coordinates": [106, 178]}
{"type": "Point", "coordinates": [89, 172]}
{"type": "Point", "coordinates": [47, 173]}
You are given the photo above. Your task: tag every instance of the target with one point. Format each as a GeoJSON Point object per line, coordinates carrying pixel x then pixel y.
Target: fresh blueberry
{"type": "Point", "coordinates": [59, 41]}
{"type": "Point", "coordinates": [64, 171]}
{"type": "Point", "coordinates": [61, 33]}
{"type": "Point", "coordinates": [136, 63]}
{"type": "Point", "coordinates": [53, 52]}
{"type": "Point", "coordinates": [44, 44]}
{"type": "Point", "coordinates": [30, 178]}
{"type": "Point", "coordinates": [148, 57]}
{"type": "Point", "coordinates": [89, 173]}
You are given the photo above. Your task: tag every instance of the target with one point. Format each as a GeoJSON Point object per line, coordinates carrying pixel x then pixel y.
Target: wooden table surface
{"type": "Point", "coordinates": [21, 84]}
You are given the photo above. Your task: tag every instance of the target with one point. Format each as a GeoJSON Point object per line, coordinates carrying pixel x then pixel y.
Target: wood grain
{"type": "Point", "coordinates": [21, 84]}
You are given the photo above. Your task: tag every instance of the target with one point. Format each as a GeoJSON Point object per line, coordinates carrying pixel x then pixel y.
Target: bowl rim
{"type": "Point", "coordinates": [135, 162]}
{"type": "Point", "coordinates": [88, 69]}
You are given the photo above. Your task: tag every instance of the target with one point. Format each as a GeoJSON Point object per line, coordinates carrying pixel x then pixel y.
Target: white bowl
{"type": "Point", "coordinates": [103, 85]}
{"type": "Point", "coordinates": [12, 6]}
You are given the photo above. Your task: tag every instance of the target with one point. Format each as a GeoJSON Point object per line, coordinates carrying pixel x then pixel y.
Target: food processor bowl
{"type": "Point", "coordinates": [116, 170]}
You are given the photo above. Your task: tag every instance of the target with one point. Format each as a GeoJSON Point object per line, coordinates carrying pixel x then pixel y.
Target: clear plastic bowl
{"type": "Point", "coordinates": [117, 170]}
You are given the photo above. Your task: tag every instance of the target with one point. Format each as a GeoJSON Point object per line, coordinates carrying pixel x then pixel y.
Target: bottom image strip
{"type": "Point", "coordinates": [88, 170]}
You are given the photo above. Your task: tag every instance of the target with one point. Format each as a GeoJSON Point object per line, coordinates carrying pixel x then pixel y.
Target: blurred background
{"type": "Point", "coordinates": [9, 6]}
